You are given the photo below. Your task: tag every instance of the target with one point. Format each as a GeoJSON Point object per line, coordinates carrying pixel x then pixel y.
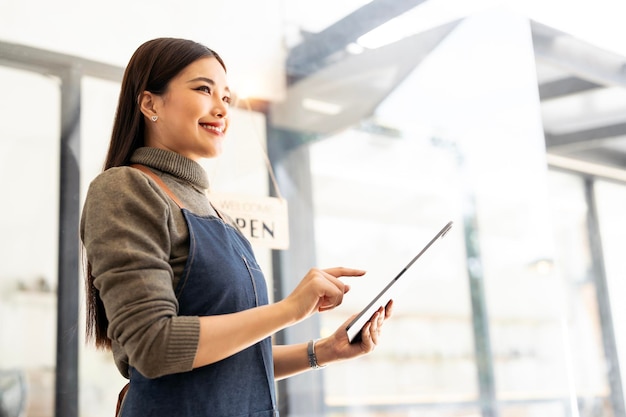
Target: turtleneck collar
{"type": "Point", "coordinates": [173, 164]}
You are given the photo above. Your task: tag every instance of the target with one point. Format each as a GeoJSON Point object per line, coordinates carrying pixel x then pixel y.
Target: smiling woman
{"type": "Point", "coordinates": [190, 118]}
{"type": "Point", "coordinates": [173, 286]}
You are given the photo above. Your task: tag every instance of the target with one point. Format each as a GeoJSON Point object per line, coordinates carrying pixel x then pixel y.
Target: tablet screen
{"type": "Point", "coordinates": [354, 327]}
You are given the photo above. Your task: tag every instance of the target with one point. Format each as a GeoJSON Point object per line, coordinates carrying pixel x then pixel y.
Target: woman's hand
{"type": "Point", "coordinates": [319, 290]}
{"type": "Point", "coordinates": [337, 347]}
{"type": "Point", "coordinates": [292, 359]}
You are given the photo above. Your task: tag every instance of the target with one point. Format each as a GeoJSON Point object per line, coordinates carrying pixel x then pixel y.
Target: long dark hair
{"type": "Point", "coordinates": [151, 68]}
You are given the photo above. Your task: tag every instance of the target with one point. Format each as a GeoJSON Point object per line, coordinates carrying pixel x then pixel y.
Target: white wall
{"type": "Point", "coordinates": [247, 34]}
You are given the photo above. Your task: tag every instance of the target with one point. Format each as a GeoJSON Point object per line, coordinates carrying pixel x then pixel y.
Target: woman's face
{"type": "Point", "coordinates": [192, 113]}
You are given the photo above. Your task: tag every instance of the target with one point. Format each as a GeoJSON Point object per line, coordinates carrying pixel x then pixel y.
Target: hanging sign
{"type": "Point", "coordinates": [263, 220]}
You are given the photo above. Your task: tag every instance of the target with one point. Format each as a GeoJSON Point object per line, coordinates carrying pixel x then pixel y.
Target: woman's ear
{"type": "Point", "coordinates": [147, 104]}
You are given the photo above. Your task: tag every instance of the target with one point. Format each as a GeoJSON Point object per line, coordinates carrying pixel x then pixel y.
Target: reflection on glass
{"type": "Point", "coordinates": [583, 330]}
{"type": "Point", "coordinates": [611, 206]}
{"type": "Point", "coordinates": [376, 210]}
{"type": "Point", "coordinates": [503, 318]}
{"type": "Point", "coordinates": [29, 178]}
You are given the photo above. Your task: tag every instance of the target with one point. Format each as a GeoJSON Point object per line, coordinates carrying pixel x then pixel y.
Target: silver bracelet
{"type": "Point", "coordinates": [310, 349]}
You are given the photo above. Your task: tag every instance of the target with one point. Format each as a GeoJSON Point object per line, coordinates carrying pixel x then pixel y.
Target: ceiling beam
{"type": "Point", "coordinates": [340, 85]}
{"type": "Point", "coordinates": [587, 167]}
{"type": "Point", "coordinates": [580, 136]}
{"type": "Point", "coordinates": [579, 58]}
{"type": "Point", "coordinates": [312, 54]}
{"type": "Point", "coordinates": [600, 156]}
{"type": "Point", "coordinates": [54, 63]}
{"type": "Point", "coordinates": [607, 157]}
{"type": "Point", "coordinates": [565, 87]}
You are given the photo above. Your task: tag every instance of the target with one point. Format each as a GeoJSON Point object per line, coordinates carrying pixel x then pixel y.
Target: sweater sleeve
{"type": "Point", "coordinates": [125, 231]}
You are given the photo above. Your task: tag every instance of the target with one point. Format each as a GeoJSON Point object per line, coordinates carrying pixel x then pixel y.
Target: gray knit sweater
{"type": "Point", "coordinates": [136, 240]}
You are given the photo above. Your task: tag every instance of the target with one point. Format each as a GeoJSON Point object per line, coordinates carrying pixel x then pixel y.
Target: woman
{"type": "Point", "coordinates": [173, 288]}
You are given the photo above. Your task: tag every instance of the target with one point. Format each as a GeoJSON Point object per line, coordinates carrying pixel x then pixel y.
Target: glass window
{"type": "Point", "coordinates": [611, 206]}
{"type": "Point", "coordinates": [29, 179]}
{"type": "Point", "coordinates": [582, 330]}
{"type": "Point", "coordinates": [375, 210]}
{"type": "Point", "coordinates": [502, 317]}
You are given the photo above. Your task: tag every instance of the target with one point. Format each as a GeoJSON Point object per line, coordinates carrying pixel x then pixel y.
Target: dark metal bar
{"type": "Point", "coordinates": [55, 63]}
{"type": "Point", "coordinates": [311, 54]}
{"type": "Point", "coordinates": [480, 317]}
{"type": "Point", "coordinates": [278, 275]}
{"type": "Point", "coordinates": [604, 302]}
{"type": "Point", "coordinates": [480, 322]}
{"type": "Point", "coordinates": [580, 136]}
{"type": "Point", "coordinates": [575, 56]}
{"type": "Point", "coordinates": [66, 393]}
{"type": "Point", "coordinates": [565, 87]}
{"type": "Point", "coordinates": [301, 395]}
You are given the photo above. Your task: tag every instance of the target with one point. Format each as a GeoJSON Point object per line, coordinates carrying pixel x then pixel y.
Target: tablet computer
{"type": "Point", "coordinates": [354, 327]}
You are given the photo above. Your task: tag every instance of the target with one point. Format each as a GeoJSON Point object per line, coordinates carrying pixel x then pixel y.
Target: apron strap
{"type": "Point", "coordinates": [120, 399]}
{"type": "Point", "coordinates": [160, 182]}
{"type": "Point", "coordinates": [169, 192]}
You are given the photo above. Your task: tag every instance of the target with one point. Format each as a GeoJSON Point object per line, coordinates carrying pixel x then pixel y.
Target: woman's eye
{"type": "Point", "coordinates": [204, 88]}
{"type": "Point", "coordinates": [227, 99]}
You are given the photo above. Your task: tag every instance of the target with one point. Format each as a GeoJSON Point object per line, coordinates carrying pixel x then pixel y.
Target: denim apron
{"type": "Point", "coordinates": [221, 276]}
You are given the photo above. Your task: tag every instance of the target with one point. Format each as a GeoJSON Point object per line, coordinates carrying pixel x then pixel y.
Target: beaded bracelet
{"type": "Point", "coordinates": [312, 358]}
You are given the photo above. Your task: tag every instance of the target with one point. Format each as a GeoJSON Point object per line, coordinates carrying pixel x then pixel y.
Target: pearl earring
{"type": "Point", "coordinates": [154, 118]}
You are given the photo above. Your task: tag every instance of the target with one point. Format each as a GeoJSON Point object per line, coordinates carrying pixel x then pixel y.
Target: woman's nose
{"type": "Point", "coordinates": [220, 110]}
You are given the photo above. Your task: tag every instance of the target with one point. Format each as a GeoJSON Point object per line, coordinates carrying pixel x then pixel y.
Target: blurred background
{"type": "Point", "coordinates": [382, 120]}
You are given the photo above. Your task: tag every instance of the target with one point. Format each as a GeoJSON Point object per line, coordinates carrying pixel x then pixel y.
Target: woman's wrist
{"type": "Point", "coordinates": [287, 312]}
{"type": "Point", "coordinates": [323, 352]}
{"type": "Point", "coordinates": [311, 351]}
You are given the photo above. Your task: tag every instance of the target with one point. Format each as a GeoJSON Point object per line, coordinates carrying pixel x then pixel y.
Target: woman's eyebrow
{"type": "Point", "coordinates": [205, 79]}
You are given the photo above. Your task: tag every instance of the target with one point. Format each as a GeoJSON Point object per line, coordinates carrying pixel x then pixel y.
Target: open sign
{"type": "Point", "coordinates": [263, 220]}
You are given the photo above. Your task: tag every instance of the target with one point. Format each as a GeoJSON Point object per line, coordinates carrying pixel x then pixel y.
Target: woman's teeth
{"type": "Point", "coordinates": [211, 127]}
